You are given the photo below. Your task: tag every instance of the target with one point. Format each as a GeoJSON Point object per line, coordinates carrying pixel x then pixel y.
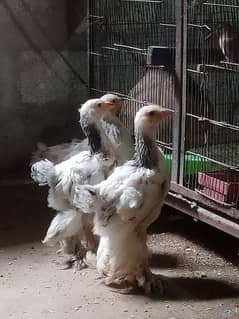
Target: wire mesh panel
{"type": "Point", "coordinates": [123, 36]}
{"type": "Point", "coordinates": [151, 52]}
{"type": "Point", "coordinates": [213, 57]}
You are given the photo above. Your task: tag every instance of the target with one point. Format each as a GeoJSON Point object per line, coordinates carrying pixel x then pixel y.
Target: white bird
{"type": "Point", "coordinates": [61, 152]}
{"type": "Point", "coordinates": [69, 228]}
{"type": "Point", "coordinates": [126, 203]}
{"type": "Point", "coordinates": [86, 167]}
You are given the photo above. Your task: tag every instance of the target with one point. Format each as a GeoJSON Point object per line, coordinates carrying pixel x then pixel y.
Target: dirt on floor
{"type": "Point", "coordinates": [198, 264]}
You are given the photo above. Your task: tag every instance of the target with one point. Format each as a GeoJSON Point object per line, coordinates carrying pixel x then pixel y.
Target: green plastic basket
{"type": "Point", "coordinates": [192, 164]}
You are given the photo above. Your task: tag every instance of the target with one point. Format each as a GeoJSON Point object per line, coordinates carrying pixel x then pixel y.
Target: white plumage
{"type": "Point", "coordinates": [126, 203]}
{"type": "Point", "coordinates": [87, 167]}
{"type": "Point", "coordinates": [111, 125]}
{"type": "Point", "coordinates": [74, 233]}
{"type": "Point", "coordinates": [60, 152]}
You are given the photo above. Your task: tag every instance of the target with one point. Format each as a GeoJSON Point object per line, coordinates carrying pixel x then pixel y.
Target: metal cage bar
{"type": "Point", "coordinates": [180, 107]}
{"type": "Point", "coordinates": [157, 52]}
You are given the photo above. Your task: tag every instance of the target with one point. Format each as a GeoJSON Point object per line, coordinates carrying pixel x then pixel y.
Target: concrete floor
{"type": "Point", "coordinates": [199, 266]}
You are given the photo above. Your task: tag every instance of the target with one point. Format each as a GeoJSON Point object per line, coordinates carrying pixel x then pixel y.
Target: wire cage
{"type": "Point", "coordinates": [122, 38]}
{"type": "Point", "coordinates": [218, 78]}
{"type": "Point", "coordinates": [183, 55]}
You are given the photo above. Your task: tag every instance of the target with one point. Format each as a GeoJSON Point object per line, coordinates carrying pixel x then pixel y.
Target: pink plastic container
{"type": "Point", "coordinates": [223, 187]}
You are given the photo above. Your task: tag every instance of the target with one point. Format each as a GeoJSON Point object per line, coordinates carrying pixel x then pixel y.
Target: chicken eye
{"type": "Point", "coordinates": [113, 101]}
{"type": "Point", "coordinates": [100, 104]}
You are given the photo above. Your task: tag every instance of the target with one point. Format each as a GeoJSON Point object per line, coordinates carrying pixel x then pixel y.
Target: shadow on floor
{"type": "Point", "coordinates": [200, 233]}
{"type": "Point", "coordinates": [198, 289]}
{"type": "Point", "coordinates": [24, 214]}
{"type": "Point", "coordinates": [164, 261]}
{"type": "Point", "coordinates": [25, 218]}
{"type": "Point", "coordinates": [186, 289]}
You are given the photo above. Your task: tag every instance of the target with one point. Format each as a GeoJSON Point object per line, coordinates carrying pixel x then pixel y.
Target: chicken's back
{"type": "Point", "coordinates": [60, 152]}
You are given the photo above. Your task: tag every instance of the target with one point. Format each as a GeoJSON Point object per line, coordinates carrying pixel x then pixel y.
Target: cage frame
{"type": "Point", "coordinates": [180, 197]}
{"type": "Point", "coordinates": [189, 201]}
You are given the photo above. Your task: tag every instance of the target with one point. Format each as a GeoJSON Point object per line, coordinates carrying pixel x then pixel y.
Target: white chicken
{"type": "Point", "coordinates": [64, 151]}
{"type": "Point", "coordinates": [126, 203]}
{"type": "Point", "coordinates": [69, 228]}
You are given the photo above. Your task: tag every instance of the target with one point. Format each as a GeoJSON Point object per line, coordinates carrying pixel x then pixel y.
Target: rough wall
{"type": "Point", "coordinates": [39, 95]}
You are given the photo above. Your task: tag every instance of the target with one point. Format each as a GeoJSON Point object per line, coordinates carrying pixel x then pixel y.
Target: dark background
{"type": "Point", "coordinates": [39, 94]}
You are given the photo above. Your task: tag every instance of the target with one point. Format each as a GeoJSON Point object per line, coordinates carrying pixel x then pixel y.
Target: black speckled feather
{"type": "Point", "coordinates": [145, 152]}
{"type": "Point", "coordinates": [92, 133]}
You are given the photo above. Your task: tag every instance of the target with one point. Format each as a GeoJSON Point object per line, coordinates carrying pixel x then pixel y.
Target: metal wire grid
{"type": "Point", "coordinates": [118, 56]}
{"type": "Point", "coordinates": [120, 37]}
{"type": "Point", "coordinates": [218, 118]}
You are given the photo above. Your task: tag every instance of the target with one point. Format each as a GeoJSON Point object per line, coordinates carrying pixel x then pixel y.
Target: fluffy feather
{"type": "Point", "coordinates": [84, 168]}
{"type": "Point", "coordinates": [62, 225]}
{"type": "Point", "coordinates": [60, 152]}
{"type": "Point", "coordinates": [117, 134]}
{"type": "Point", "coordinates": [70, 224]}
{"type": "Point", "coordinates": [119, 137]}
{"type": "Point", "coordinates": [126, 203]}
{"type": "Point", "coordinates": [43, 172]}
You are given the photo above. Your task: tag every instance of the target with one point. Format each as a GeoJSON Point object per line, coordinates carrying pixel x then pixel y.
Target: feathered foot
{"type": "Point", "coordinates": [124, 284]}
{"type": "Point", "coordinates": [78, 259]}
{"type": "Point", "coordinates": [151, 284]}
{"type": "Point", "coordinates": [61, 249]}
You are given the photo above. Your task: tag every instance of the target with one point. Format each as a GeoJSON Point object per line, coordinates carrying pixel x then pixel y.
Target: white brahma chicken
{"type": "Point", "coordinates": [116, 131]}
{"type": "Point", "coordinates": [91, 167]}
{"type": "Point", "coordinates": [126, 203]}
